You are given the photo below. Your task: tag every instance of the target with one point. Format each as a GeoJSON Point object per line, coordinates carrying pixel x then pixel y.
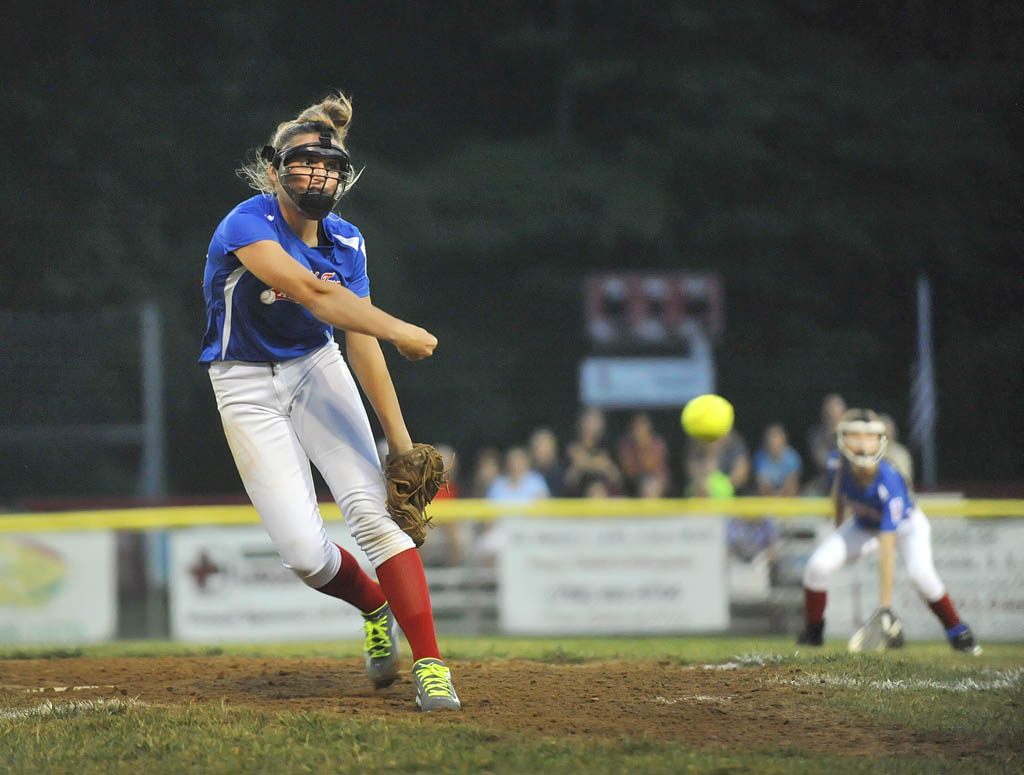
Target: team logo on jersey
{"type": "Point", "coordinates": [270, 295]}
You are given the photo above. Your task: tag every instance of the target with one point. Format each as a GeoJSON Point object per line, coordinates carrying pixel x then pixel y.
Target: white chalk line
{"type": "Point", "coordinates": [723, 666]}
{"type": "Point", "coordinates": [1000, 679]}
{"type": "Point", "coordinates": [49, 709]}
{"type": "Point", "coordinates": [54, 689]}
{"type": "Point", "coordinates": [740, 661]}
{"type": "Point", "coordinates": [693, 698]}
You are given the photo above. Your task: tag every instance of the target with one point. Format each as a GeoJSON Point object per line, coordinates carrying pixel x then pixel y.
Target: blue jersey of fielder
{"type": "Point", "coordinates": [247, 320]}
{"type": "Point", "coordinates": [882, 505]}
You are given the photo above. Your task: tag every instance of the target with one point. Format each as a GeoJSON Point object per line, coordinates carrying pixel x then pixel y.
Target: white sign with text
{"type": "Point", "coordinates": [594, 576]}
{"type": "Point", "coordinates": [621, 382]}
{"type": "Point", "coordinates": [228, 584]}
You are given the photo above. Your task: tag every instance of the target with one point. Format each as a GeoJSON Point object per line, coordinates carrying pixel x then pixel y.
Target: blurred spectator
{"type": "Point", "coordinates": [708, 482]}
{"type": "Point", "coordinates": [752, 546]}
{"type": "Point", "coordinates": [519, 482]}
{"type": "Point", "coordinates": [717, 469]}
{"type": "Point", "coordinates": [596, 487]}
{"type": "Point", "coordinates": [653, 487]}
{"type": "Point", "coordinates": [749, 538]}
{"type": "Point", "coordinates": [896, 453]}
{"type": "Point", "coordinates": [777, 465]}
{"type": "Point", "coordinates": [734, 460]}
{"type": "Point", "coordinates": [588, 456]}
{"type": "Point", "coordinates": [543, 446]}
{"type": "Point", "coordinates": [642, 453]}
{"type": "Point", "coordinates": [821, 440]}
{"type": "Point", "coordinates": [486, 469]}
{"type": "Point", "coordinates": [451, 464]}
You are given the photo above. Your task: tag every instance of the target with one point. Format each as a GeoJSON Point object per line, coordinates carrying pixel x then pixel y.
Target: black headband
{"type": "Point", "coordinates": [324, 148]}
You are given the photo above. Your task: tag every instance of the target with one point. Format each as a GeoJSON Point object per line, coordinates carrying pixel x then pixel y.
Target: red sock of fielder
{"type": "Point", "coordinates": [814, 605]}
{"type": "Point", "coordinates": [405, 585]}
{"type": "Point", "coordinates": [353, 586]}
{"type": "Point", "coordinates": [943, 608]}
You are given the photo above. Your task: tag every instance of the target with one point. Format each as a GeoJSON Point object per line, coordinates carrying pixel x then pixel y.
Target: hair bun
{"type": "Point", "coordinates": [335, 110]}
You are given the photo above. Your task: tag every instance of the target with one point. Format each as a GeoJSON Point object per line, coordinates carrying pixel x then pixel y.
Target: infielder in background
{"type": "Point", "coordinates": [282, 271]}
{"type": "Point", "coordinates": [884, 517]}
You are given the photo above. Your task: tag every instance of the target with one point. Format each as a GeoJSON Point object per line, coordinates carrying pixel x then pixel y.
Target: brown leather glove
{"type": "Point", "coordinates": [413, 479]}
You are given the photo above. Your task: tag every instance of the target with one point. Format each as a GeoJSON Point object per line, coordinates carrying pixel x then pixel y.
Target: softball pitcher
{"type": "Point", "coordinates": [884, 518]}
{"type": "Point", "coordinates": [281, 272]}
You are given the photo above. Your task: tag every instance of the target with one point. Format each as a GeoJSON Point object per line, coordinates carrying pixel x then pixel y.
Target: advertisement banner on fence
{"type": "Point", "coordinates": [58, 587]}
{"type": "Point", "coordinates": [228, 584]}
{"type": "Point", "coordinates": [594, 576]}
{"type": "Point", "coordinates": [981, 562]}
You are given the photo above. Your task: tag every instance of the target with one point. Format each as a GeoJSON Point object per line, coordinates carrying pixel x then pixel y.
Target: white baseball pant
{"type": "Point", "coordinates": [280, 417]}
{"type": "Point", "coordinates": [851, 542]}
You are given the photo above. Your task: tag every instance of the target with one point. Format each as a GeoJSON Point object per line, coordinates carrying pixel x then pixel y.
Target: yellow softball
{"type": "Point", "coordinates": [707, 417]}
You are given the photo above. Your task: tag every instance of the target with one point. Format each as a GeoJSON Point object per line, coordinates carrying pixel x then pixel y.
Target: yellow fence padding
{"type": "Point", "coordinates": [456, 510]}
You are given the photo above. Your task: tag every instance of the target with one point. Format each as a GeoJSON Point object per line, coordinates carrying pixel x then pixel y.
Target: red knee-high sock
{"type": "Point", "coordinates": [353, 586]}
{"type": "Point", "coordinates": [405, 585]}
{"type": "Point", "coordinates": [814, 605]}
{"type": "Point", "coordinates": [943, 608]}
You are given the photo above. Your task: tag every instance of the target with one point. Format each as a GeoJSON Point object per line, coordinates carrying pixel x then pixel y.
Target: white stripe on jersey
{"type": "Point", "coordinates": [229, 290]}
{"type": "Point", "coordinates": [352, 242]}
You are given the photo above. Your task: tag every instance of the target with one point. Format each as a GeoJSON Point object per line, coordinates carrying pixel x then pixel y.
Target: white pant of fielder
{"type": "Point", "coordinates": [280, 417]}
{"type": "Point", "coordinates": [851, 542]}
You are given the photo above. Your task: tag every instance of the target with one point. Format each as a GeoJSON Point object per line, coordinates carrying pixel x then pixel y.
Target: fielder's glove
{"type": "Point", "coordinates": [413, 479]}
{"type": "Point", "coordinates": [882, 631]}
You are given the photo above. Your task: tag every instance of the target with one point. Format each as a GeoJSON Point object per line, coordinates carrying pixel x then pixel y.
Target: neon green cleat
{"type": "Point", "coordinates": [381, 647]}
{"type": "Point", "coordinates": [434, 690]}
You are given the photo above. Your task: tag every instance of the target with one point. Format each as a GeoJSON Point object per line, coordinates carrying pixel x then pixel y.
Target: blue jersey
{"type": "Point", "coordinates": [882, 505]}
{"type": "Point", "coordinates": [247, 320]}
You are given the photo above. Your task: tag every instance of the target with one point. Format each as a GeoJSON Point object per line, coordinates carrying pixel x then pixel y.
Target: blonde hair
{"type": "Point", "coordinates": [333, 114]}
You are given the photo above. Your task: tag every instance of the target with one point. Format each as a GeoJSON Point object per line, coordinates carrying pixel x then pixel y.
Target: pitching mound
{"type": "Point", "coordinates": [752, 708]}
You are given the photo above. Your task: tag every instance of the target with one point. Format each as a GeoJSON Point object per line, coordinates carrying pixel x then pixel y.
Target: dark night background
{"type": "Point", "coordinates": [817, 155]}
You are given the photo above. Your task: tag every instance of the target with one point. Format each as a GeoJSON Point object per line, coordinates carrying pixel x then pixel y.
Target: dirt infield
{"type": "Point", "coordinates": [748, 708]}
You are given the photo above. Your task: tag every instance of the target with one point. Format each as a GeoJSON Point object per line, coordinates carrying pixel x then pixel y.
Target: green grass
{"type": "Point", "coordinates": [920, 699]}
{"type": "Point", "coordinates": [215, 740]}
{"type": "Point", "coordinates": [684, 650]}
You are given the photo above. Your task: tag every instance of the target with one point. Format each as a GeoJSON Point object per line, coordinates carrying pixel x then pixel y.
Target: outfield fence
{"type": "Point", "coordinates": [208, 573]}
